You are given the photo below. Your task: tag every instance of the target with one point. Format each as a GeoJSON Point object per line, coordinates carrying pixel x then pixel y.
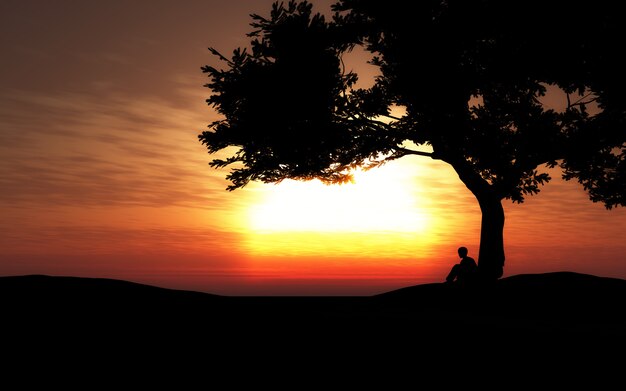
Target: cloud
{"type": "Point", "coordinates": [116, 149]}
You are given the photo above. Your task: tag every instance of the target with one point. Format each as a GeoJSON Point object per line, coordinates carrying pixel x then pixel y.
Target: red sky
{"type": "Point", "coordinates": [103, 176]}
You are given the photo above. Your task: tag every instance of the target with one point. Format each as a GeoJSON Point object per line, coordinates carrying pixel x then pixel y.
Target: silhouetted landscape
{"type": "Point", "coordinates": [558, 304]}
{"type": "Point", "coordinates": [483, 103]}
{"type": "Point", "coordinates": [542, 324]}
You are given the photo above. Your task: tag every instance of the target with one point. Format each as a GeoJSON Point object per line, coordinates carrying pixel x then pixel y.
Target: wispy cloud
{"type": "Point", "coordinates": [105, 150]}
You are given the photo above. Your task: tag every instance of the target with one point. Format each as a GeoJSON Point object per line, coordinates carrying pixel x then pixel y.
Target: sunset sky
{"type": "Point", "coordinates": [102, 174]}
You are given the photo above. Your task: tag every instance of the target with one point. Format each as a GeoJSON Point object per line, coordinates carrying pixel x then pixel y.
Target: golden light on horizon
{"type": "Point", "coordinates": [379, 213]}
{"type": "Point", "coordinates": [377, 200]}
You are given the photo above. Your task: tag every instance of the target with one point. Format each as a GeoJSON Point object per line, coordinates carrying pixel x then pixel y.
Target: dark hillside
{"type": "Point", "coordinates": [549, 318]}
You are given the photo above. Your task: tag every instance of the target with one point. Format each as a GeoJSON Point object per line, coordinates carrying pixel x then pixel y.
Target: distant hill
{"type": "Point", "coordinates": [542, 320]}
{"type": "Point", "coordinates": [63, 289]}
{"type": "Point", "coordinates": [547, 295]}
{"type": "Point", "coordinates": [559, 306]}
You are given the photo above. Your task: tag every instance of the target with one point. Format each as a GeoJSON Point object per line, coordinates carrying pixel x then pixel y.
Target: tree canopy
{"type": "Point", "coordinates": [471, 74]}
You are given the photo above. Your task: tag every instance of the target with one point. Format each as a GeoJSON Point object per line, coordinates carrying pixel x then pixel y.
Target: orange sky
{"type": "Point", "coordinates": [103, 176]}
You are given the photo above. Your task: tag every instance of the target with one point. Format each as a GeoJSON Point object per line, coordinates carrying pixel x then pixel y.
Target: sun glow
{"type": "Point", "coordinates": [377, 200]}
{"type": "Point", "coordinates": [381, 212]}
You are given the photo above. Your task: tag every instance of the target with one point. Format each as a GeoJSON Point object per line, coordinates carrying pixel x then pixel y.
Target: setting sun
{"type": "Point", "coordinates": [377, 200]}
{"type": "Point", "coordinates": [383, 211]}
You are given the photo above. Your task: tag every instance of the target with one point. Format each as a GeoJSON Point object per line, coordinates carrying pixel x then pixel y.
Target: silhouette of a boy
{"type": "Point", "coordinates": [465, 271]}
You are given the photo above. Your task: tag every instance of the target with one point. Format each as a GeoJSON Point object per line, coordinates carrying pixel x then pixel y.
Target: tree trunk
{"type": "Point", "coordinates": [491, 252]}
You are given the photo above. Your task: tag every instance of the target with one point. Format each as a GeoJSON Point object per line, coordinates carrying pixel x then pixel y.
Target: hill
{"type": "Point", "coordinates": [548, 316]}
{"type": "Point", "coordinates": [552, 298]}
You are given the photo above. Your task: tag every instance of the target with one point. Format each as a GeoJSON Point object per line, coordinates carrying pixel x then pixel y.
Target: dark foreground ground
{"type": "Point", "coordinates": [539, 323]}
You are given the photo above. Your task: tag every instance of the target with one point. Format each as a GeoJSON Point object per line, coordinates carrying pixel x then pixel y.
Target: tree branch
{"type": "Point", "coordinates": [581, 100]}
{"type": "Point", "coordinates": [400, 152]}
{"type": "Point", "coordinates": [392, 117]}
{"type": "Point", "coordinates": [220, 56]}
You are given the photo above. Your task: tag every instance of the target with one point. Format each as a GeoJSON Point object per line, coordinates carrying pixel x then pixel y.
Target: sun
{"type": "Point", "coordinates": [379, 200]}
{"type": "Point", "coordinates": [400, 210]}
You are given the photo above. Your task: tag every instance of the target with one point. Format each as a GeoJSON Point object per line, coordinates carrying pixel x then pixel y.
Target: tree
{"type": "Point", "coordinates": [471, 75]}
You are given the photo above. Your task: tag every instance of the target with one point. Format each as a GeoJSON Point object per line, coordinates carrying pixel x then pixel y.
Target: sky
{"type": "Point", "coordinates": [101, 105]}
